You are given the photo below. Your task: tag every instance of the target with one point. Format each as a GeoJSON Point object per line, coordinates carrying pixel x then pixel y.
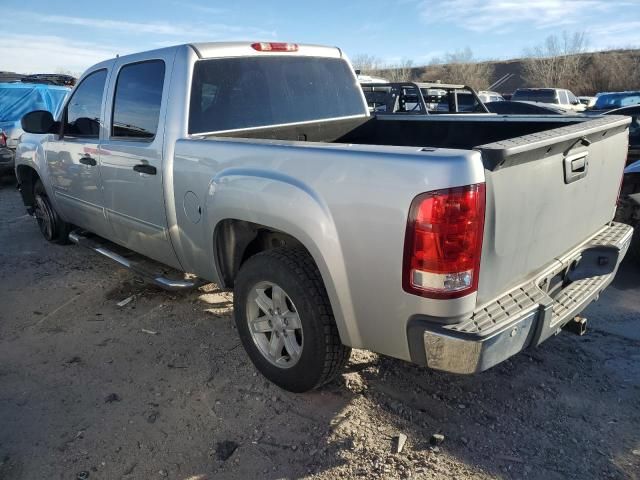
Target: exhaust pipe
{"type": "Point", "coordinates": [577, 325]}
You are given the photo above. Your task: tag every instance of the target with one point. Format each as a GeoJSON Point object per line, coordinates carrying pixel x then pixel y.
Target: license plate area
{"type": "Point", "coordinates": [591, 262]}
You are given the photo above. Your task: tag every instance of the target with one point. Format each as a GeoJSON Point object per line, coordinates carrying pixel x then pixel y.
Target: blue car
{"type": "Point", "coordinates": [16, 99]}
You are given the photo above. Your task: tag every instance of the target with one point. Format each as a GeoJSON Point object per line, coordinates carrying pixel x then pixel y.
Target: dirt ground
{"type": "Point", "coordinates": [161, 388]}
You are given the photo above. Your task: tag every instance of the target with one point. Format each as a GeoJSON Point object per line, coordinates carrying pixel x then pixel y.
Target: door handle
{"type": "Point", "coordinates": [576, 167]}
{"type": "Point", "coordinates": [144, 168]}
{"type": "Point", "coordinates": [87, 160]}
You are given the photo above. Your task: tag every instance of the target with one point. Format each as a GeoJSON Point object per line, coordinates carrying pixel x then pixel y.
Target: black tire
{"type": "Point", "coordinates": [52, 227]}
{"type": "Point", "coordinates": [323, 355]}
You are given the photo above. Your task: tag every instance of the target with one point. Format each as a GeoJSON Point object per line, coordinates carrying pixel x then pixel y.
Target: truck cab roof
{"type": "Point", "coordinates": [243, 49]}
{"type": "Point", "coordinates": [236, 49]}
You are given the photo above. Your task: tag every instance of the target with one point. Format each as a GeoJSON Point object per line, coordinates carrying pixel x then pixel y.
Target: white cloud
{"type": "Point", "coordinates": [46, 53]}
{"type": "Point", "coordinates": [499, 16]}
{"type": "Point", "coordinates": [621, 34]}
{"type": "Point", "coordinates": [201, 8]}
{"type": "Point", "coordinates": [205, 30]}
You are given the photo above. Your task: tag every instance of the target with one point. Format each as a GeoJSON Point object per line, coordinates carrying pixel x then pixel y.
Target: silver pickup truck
{"type": "Point", "coordinates": [452, 241]}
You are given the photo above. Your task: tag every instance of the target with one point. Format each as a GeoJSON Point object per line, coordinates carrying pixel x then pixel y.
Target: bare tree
{"type": "Point", "coordinates": [367, 64]}
{"type": "Point", "coordinates": [461, 67]}
{"type": "Point", "coordinates": [399, 72]}
{"type": "Point", "coordinates": [558, 62]}
{"type": "Point", "coordinates": [610, 72]}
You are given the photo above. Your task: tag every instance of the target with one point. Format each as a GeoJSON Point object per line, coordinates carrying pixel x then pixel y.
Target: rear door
{"type": "Point", "coordinates": [73, 158]}
{"type": "Point", "coordinates": [132, 156]}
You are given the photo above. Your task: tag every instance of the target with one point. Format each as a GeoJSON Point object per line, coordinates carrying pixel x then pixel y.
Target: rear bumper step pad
{"type": "Point", "coordinates": [523, 317]}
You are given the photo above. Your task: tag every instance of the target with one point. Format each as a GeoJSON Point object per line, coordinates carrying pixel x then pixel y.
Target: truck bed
{"type": "Point", "coordinates": [442, 131]}
{"type": "Point", "coordinates": [533, 215]}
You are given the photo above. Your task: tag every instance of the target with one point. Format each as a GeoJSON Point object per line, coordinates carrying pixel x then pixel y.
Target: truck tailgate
{"type": "Point", "coordinates": [547, 193]}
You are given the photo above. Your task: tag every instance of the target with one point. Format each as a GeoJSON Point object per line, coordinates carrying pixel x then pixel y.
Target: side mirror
{"type": "Point", "coordinates": [39, 121]}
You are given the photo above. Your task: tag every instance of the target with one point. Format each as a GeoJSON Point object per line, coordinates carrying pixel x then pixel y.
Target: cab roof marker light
{"type": "Point", "coordinates": [274, 47]}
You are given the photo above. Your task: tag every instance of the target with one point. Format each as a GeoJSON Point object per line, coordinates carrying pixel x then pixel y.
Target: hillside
{"type": "Point", "coordinates": [602, 71]}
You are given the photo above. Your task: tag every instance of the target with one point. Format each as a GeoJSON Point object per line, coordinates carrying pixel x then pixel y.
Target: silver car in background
{"type": "Point", "coordinates": [556, 96]}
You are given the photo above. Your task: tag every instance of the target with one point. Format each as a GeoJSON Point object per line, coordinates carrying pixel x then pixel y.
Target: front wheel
{"type": "Point", "coordinates": [285, 321]}
{"type": "Point", "coordinates": [52, 227]}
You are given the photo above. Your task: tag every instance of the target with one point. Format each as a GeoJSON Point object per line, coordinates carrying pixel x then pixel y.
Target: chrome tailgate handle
{"type": "Point", "coordinates": [576, 167]}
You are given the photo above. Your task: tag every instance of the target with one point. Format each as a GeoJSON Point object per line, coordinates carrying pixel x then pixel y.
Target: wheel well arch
{"type": "Point", "coordinates": [235, 241]}
{"type": "Point", "coordinates": [27, 178]}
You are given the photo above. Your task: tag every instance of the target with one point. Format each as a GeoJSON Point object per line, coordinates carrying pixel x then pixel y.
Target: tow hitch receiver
{"type": "Point", "coordinates": [578, 326]}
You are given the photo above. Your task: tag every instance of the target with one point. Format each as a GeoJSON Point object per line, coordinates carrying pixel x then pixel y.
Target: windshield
{"type": "Point", "coordinates": [544, 96]}
{"type": "Point", "coordinates": [616, 100]}
{"type": "Point", "coordinates": [236, 93]}
{"type": "Point", "coordinates": [16, 100]}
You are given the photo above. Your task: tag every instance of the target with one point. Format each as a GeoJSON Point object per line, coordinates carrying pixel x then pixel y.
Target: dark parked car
{"type": "Point", "coordinates": [524, 108]}
{"type": "Point", "coordinates": [615, 100]}
{"type": "Point", "coordinates": [629, 204]}
{"type": "Point", "coordinates": [634, 130]}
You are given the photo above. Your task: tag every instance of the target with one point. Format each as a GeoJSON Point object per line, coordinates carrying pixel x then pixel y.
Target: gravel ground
{"type": "Point", "coordinates": [161, 388]}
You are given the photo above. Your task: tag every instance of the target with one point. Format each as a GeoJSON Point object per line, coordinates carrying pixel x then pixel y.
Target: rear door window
{"type": "Point", "coordinates": [630, 100]}
{"type": "Point", "coordinates": [562, 95]}
{"type": "Point", "coordinates": [236, 93]}
{"type": "Point", "coordinates": [83, 111]}
{"type": "Point", "coordinates": [137, 100]}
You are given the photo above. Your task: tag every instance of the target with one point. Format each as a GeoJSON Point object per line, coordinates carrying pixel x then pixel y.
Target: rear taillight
{"type": "Point", "coordinates": [443, 242]}
{"type": "Point", "coordinates": [3, 139]}
{"type": "Point", "coordinates": [274, 47]}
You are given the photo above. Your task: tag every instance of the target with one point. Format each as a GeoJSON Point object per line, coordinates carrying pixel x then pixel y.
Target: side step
{"type": "Point", "coordinates": [101, 246]}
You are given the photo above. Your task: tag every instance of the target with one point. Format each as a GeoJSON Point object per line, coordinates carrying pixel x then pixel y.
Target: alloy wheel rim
{"type": "Point", "coordinates": [43, 214]}
{"type": "Point", "coordinates": [274, 324]}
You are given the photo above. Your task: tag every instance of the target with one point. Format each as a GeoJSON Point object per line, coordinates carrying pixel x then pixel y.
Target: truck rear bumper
{"type": "Point", "coordinates": [527, 315]}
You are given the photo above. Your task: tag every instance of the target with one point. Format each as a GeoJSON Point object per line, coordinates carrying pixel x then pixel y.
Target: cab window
{"type": "Point", "coordinates": [82, 115]}
{"type": "Point", "coordinates": [137, 100]}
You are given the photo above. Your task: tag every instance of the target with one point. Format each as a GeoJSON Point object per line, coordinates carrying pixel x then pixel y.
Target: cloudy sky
{"type": "Point", "coordinates": [45, 35]}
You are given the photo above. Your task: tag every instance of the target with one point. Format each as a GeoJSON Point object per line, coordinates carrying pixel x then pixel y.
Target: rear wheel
{"type": "Point", "coordinates": [52, 227]}
{"type": "Point", "coordinates": [285, 321]}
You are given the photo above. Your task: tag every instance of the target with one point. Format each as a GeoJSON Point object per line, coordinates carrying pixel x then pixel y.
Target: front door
{"type": "Point", "coordinates": [132, 157]}
{"type": "Point", "coordinates": [73, 158]}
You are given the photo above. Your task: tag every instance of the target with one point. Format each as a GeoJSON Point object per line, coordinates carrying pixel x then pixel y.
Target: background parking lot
{"type": "Point", "coordinates": [160, 387]}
